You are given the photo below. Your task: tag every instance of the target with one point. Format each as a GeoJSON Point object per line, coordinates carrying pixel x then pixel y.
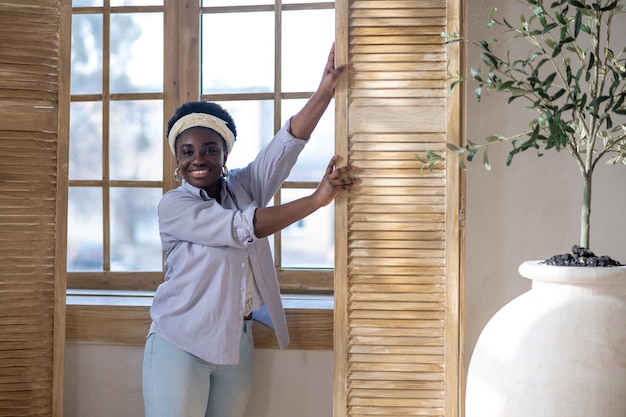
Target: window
{"type": "Point", "coordinates": [133, 63]}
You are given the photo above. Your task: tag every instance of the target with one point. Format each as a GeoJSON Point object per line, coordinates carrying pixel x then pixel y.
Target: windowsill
{"type": "Point", "coordinates": [144, 299]}
{"type": "Point", "coordinates": [122, 318]}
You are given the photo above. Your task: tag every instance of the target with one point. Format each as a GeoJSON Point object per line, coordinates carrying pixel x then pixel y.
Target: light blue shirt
{"type": "Point", "coordinates": [200, 305]}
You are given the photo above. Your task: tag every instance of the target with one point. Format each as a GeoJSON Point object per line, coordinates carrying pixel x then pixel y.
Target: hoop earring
{"type": "Point", "coordinates": [224, 171]}
{"type": "Point", "coordinates": [176, 173]}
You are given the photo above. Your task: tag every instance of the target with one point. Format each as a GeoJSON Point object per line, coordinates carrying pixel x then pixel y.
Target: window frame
{"type": "Point", "coordinates": [181, 71]}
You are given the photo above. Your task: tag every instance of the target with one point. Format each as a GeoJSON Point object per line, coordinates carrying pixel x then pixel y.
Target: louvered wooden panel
{"type": "Point", "coordinates": [31, 291]}
{"type": "Point", "coordinates": [400, 294]}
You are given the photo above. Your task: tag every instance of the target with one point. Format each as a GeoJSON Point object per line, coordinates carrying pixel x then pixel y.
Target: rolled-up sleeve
{"type": "Point", "coordinates": [184, 216]}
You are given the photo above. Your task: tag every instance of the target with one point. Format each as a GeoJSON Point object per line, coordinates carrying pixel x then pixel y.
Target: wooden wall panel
{"type": "Point", "coordinates": [31, 285]}
{"type": "Point", "coordinates": [397, 275]}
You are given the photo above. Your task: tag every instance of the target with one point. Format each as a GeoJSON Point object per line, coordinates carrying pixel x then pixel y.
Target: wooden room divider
{"type": "Point", "coordinates": [399, 252]}
{"type": "Point", "coordinates": [32, 206]}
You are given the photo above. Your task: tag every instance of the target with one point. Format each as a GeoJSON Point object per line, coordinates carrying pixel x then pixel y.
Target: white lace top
{"type": "Point", "coordinates": [253, 298]}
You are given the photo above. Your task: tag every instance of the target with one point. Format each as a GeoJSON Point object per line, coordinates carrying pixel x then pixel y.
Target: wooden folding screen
{"type": "Point", "coordinates": [397, 282]}
{"type": "Point", "coordinates": [32, 208]}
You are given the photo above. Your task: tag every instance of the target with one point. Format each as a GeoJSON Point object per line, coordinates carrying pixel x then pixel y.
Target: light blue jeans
{"type": "Point", "coordinates": [179, 384]}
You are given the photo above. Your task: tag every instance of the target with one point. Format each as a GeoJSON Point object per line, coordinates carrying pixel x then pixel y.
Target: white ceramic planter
{"type": "Point", "coordinates": [559, 350]}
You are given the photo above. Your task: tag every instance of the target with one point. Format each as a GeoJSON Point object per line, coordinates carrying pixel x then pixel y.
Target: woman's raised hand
{"type": "Point", "coordinates": [331, 75]}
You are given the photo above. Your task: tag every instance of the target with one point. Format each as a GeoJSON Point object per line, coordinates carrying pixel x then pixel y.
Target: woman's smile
{"type": "Point", "coordinates": [198, 173]}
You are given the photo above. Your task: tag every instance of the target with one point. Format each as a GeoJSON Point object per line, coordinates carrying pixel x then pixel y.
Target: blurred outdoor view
{"type": "Point", "coordinates": [124, 142]}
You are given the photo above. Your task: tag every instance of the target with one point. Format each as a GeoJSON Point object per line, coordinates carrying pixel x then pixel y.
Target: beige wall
{"type": "Point", "coordinates": [105, 381]}
{"type": "Point", "coordinates": [530, 210]}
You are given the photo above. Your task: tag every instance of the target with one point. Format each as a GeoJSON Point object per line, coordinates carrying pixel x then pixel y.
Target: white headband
{"type": "Point", "coordinates": [201, 120]}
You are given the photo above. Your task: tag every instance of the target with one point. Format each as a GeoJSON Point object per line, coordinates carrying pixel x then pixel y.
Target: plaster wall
{"type": "Point", "coordinates": [105, 381]}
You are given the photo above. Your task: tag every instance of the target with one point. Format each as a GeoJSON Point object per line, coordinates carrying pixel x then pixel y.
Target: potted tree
{"type": "Point", "coordinates": [560, 348]}
{"type": "Point", "coordinates": [573, 76]}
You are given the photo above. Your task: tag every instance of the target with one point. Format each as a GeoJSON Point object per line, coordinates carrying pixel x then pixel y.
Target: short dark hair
{"type": "Point", "coordinates": [207, 107]}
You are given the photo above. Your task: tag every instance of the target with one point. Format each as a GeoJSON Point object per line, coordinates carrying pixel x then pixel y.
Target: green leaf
{"type": "Point", "coordinates": [582, 103]}
{"type": "Point", "coordinates": [450, 42]}
{"type": "Point", "coordinates": [510, 100]}
{"type": "Point", "coordinates": [548, 28]}
{"type": "Point", "coordinates": [577, 23]}
{"type": "Point", "coordinates": [486, 163]}
{"type": "Point", "coordinates": [549, 79]}
{"type": "Point", "coordinates": [505, 85]}
{"type": "Point", "coordinates": [478, 92]}
{"type": "Point", "coordinates": [538, 10]}
{"type": "Point", "coordinates": [455, 148]}
{"type": "Point", "coordinates": [609, 7]}
{"type": "Point", "coordinates": [592, 60]}
{"type": "Point", "coordinates": [509, 158]}
{"type": "Point", "coordinates": [576, 3]}
{"type": "Point", "coordinates": [598, 100]}
{"type": "Point", "coordinates": [579, 74]}
{"type": "Point", "coordinates": [494, 139]}
{"type": "Point", "coordinates": [489, 60]}
{"type": "Point", "coordinates": [568, 74]}
{"type": "Point", "coordinates": [471, 146]}
{"type": "Point", "coordinates": [476, 74]}
{"type": "Point", "coordinates": [454, 84]}
{"type": "Point", "coordinates": [557, 95]}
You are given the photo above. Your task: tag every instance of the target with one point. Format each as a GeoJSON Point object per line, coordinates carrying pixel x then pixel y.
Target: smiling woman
{"type": "Point", "coordinates": [121, 131]}
{"type": "Point", "coordinates": [219, 272]}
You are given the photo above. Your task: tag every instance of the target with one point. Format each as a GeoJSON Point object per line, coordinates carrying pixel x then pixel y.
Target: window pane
{"type": "Point", "coordinates": [84, 237]}
{"type": "Point", "coordinates": [255, 128]}
{"type": "Point", "coordinates": [136, 143]}
{"type": "Point", "coordinates": [314, 159]}
{"type": "Point", "coordinates": [136, 53]}
{"type": "Point", "coordinates": [85, 141]}
{"type": "Point", "coordinates": [86, 3]}
{"type": "Point", "coordinates": [216, 3]}
{"type": "Point", "coordinates": [303, 1]}
{"type": "Point", "coordinates": [135, 241]}
{"type": "Point", "coordinates": [115, 3]}
{"type": "Point", "coordinates": [308, 243]}
{"type": "Point", "coordinates": [86, 67]}
{"type": "Point", "coordinates": [233, 60]}
{"type": "Point", "coordinates": [303, 55]}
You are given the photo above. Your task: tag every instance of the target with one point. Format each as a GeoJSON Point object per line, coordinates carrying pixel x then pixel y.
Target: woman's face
{"type": "Point", "coordinates": [201, 155]}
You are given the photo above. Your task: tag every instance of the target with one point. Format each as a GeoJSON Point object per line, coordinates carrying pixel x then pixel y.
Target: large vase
{"type": "Point", "coordinates": [558, 350]}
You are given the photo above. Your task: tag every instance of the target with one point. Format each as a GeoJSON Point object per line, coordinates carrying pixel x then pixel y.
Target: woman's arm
{"type": "Point", "coordinates": [269, 220]}
{"type": "Point", "coordinates": [305, 121]}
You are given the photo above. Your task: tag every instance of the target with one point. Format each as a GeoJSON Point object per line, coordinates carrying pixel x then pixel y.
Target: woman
{"type": "Point", "coordinates": [219, 272]}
